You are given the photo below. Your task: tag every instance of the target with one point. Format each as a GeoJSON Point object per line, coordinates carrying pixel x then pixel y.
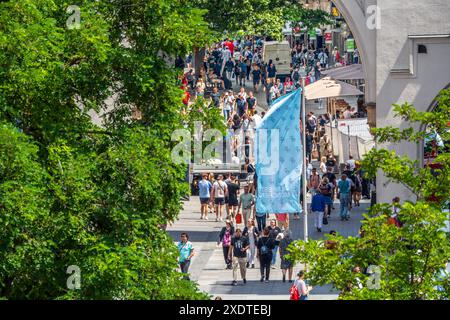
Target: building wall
{"type": "Point", "coordinates": [403, 75]}
{"type": "Point", "coordinates": [395, 72]}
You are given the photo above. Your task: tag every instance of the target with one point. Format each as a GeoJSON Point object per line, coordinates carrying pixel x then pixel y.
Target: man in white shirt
{"type": "Point", "coordinates": [351, 163]}
{"type": "Point", "coordinates": [237, 55]}
{"type": "Point", "coordinates": [226, 54]}
{"type": "Point", "coordinates": [219, 191]}
{"type": "Point", "coordinates": [256, 119]}
{"type": "Point", "coordinates": [349, 113]}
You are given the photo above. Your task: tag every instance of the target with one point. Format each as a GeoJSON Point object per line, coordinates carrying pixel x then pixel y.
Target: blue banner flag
{"type": "Point", "coordinates": [278, 155]}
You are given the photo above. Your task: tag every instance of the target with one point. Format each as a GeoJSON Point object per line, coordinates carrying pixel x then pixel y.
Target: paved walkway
{"type": "Point", "coordinates": [208, 266]}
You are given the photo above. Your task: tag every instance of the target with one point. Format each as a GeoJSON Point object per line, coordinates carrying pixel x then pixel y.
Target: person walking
{"type": "Point", "coordinates": [327, 189]}
{"type": "Point", "coordinates": [212, 179]}
{"type": "Point", "coordinates": [219, 191]}
{"type": "Point", "coordinates": [274, 93]}
{"type": "Point", "coordinates": [318, 206]}
{"type": "Point", "coordinates": [251, 104]}
{"type": "Point", "coordinates": [322, 167]}
{"type": "Point", "coordinates": [395, 210]}
{"type": "Point", "coordinates": [204, 187]}
{"type": "Point", "coordinates": [256, 73]}
{"type": "Point", "coordinates": [233, 191]}
{"type": "Point", "coordinates": [261, 220]}
{"type": "Point", "coordinates": [309, 145]}
{"type": "Point", "coordinates": [243, 72]}
{"type": "Point", "coordinates": [286, 265]}
{"type": "Point", "coordinates": [314, 182]}
{"type": "Point", "coordinates": [186, 250]}
{"type": "Point", "coordinates": [271, 72]}
{"type": "Point", "coordinates": [228, 103]}
{"type": "Point", "coordinates": [274, 232]}
{"type": "Point", "coordinates": [238, 255]}
{"type": "Point", "coordinates": [356, 194]}
{"type": "Point", "coordinates": [225, 236]}
{"type": "Point", "coordinates": [283, 220]}
{"type": "Point", "coordinates": [251, 232]}
{"type": "Point", "coordinates": [288, 86]}
{"type": "Point", "coordinates": [303, 289]}
{"type": "Point", "coordinates": [344, 187]}
{"type": "Point", "coordinates": [265, 247]}
{"type": "Point", "coordinates": [237, 72]}
{"type": "Point", "coordinates": [246, 201]}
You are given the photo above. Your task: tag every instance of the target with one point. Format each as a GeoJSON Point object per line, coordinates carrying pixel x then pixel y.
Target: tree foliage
{"type": "Point", "coordinates": [259, 17]}
{"type": "Point", "coordinates": [75, 193]}
{"type": "Point", "coordinates": [412, 258]}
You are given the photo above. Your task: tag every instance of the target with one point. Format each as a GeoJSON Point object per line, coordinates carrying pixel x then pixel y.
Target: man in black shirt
{"type": "Point", "coordinates": [233, 191]}
{"type": "Point", "coordinates": [309, 144]}
{"type": "Point", "coordinates": [238, 253]}
{"type": "Point", "coordinates": [331, 161]}
{"type": "Point", "coordinates": [274, 231]}
{"type": "Point", "coordinates": [251, 103]}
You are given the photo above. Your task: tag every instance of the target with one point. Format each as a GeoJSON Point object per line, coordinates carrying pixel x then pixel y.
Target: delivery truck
{"type": "Point", "coordinates": [280, 54]}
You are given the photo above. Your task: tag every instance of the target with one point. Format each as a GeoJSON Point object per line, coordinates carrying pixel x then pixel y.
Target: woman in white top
{"type": "Point", "coordinates": [274, 92]}
{"type": "Point", "coordinates": [252, 234]}
{"type": "Point", "coordinates": [323, 167]}
{"type": "Point", "coordinates": [303, 289]}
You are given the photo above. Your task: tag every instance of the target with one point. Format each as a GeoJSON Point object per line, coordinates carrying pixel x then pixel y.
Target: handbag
{"type": "Point", "coordinates": [239, 218]}
{"type": "Point", "coordinates": [293, 291]}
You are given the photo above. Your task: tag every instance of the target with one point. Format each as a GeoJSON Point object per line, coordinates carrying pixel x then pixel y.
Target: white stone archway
{"type": "Point", "coordinates": [355, 14]}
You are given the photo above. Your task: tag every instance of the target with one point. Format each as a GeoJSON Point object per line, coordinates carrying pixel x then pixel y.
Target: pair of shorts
{"type": "Point", "coordinates": [233, 203]}
{"type": "Point", "coordinates": [219, 201]}
{"type": "Point", "coordinates": [204, 200]}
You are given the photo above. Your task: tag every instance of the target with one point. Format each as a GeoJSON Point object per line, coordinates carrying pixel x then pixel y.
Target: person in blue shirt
{"type": "Point", "coordinates": [344, 195]}
{"type": "Point", "coordinates": [318, 204]}
{"type": "Point", "coordinates": [243, 73]}
{"type": "Point", "coordinates": [204, 187]}
{"type": "Point", "coordinates": [241, 104]}
{"type": "Point", "coordinates": [186, 250]}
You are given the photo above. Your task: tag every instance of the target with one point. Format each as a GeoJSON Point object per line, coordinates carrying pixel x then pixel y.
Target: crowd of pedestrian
{"type": "Point", "coordinates": [237, 64]}
{"type": "Point", "coordinates": [242, 247]}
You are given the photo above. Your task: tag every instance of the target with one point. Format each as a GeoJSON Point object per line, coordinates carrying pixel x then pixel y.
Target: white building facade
{"type": "Point", "coordinates": [405, 52]}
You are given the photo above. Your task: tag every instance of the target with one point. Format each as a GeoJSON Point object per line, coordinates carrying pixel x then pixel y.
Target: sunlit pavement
{"type": "Point", "coordinates": [208, 266]}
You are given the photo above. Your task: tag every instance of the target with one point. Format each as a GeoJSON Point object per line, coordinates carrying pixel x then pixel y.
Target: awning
{"type": "Point", "coordinates": [329, 88]}
{"type": "Point", "coordinates": [351, 72]}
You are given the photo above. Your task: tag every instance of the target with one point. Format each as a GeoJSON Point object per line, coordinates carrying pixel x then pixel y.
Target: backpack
{"type": "Point", "coordinates": [293, 291]}
{"type": "Point", "coordinates": [264, 249]}
{"type": "Point", "coordinates": [237, 70]}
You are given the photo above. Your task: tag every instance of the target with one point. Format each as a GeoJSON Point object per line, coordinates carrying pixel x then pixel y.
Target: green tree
{"type": "Point", "coordinates": [411, 258]}
{"type": "Point", "coordinates": [75, 193]}
{"type": "Point", "coordinates": [258, 17]}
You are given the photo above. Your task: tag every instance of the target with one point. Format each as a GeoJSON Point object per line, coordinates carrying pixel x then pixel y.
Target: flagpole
{"type": "Point", "coordinates": [305, 206]}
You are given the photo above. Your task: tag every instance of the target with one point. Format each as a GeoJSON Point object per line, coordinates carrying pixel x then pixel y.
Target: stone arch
{"type": "Point", "coordinates": [354, 13]}
{"type": "Point", "coordinates": [421, 146]}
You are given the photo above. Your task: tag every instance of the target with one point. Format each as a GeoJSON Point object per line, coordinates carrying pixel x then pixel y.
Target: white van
{"type": "Point", "coordinates": [280, 54]}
